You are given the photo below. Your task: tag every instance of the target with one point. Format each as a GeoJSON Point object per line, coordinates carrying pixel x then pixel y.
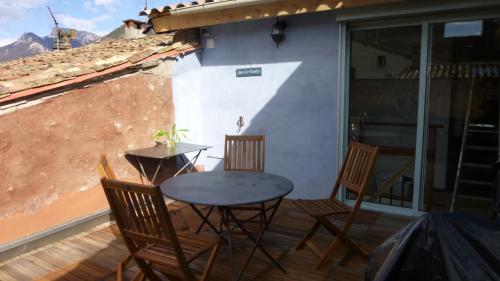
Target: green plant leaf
{"type": "Point", "coordinates": [174, 134]}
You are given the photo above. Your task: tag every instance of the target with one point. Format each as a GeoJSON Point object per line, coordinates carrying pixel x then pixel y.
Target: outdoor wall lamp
{"type": "Point", "coordinates": [278, 31]}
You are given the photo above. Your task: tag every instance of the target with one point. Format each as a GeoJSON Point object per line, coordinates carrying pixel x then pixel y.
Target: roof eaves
{"type": "Point", "coordinates": [200, 6]}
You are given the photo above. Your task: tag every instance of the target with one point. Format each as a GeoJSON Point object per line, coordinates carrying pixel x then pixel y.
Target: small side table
{"type": "Point", "coordinates": [151, 160]}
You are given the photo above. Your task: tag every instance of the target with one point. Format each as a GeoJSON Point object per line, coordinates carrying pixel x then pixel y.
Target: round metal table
{"type": "Point", "coordinates": [226, 189]}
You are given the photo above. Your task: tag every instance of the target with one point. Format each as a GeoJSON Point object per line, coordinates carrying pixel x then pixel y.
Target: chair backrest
{"type": "Point", "coordinates": [356, 170]}
{"type": "Point", "coordinates": [142, 217]}
{"type": "Point", "coordinates": [104, 168]}
{"type": "Point", "coordinates": [244, 153]}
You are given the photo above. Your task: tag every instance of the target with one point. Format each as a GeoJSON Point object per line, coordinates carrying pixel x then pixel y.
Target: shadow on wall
{"type": "Point", "coordinates": [294, 103]}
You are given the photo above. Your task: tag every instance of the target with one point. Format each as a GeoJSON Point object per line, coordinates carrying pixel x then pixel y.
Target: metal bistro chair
{"type": "Point", "coordinates": [245, 153]}
{"type": "Point", "coordinates": [151, 239]}
{"type": "Point", "coordinates": [354, 175]}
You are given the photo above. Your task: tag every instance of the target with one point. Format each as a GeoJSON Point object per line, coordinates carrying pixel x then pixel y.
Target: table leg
{"type": "Point", "coordinates": [257, 241]}
{"type": "Point", "coordinates": [205, 219]}
{"type": "Point", "coordinates": [225, 222]}
{"type": "Point", "coordinates": [156, 171]}
{"type": "Point", "coordinates": [191, 162]}
{"type": "Point", "coordinates": [142, 172]}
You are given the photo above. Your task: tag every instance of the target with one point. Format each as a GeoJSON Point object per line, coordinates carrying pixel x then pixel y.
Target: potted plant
{"type": "Point", "coordinates": [170, 137]}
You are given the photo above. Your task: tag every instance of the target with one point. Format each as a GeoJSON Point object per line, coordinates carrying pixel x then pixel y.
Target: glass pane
{"type": "Point", "coordinates": [463, 116]}
{"type": "Point", "coordinates": [383, 103]}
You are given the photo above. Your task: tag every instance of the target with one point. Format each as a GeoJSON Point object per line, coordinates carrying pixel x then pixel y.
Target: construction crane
{"type": "Point", "coordinates": [62, 38]}
{"type": "Point", "coordinates": [56, 45]}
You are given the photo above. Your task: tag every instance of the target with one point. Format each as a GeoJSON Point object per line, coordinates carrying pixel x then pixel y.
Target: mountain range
{"type": "Point", "coordinates": [30, 44]}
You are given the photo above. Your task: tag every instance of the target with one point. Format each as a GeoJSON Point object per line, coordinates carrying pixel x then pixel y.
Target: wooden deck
{"type": "Point", "coordinates": [93, 255]}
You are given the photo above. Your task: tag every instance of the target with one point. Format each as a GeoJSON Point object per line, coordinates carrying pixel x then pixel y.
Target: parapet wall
{"type": "Point", "coordinates": [49, 149]}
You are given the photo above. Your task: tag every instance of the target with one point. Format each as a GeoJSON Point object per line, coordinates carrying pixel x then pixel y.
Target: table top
{"type": "Point", "coordinates": [226, 188]}
{"type": "Point", "coordinates": [161, 151]}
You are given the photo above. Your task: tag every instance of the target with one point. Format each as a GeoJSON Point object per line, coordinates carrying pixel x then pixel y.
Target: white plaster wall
{"type": "Point", "coordinates": [294, 102]}
{"type": "Point", "coordinates": [186, 79]}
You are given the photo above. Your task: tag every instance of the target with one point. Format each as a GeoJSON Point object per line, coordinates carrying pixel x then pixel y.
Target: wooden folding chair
{"type": "Point", "coordinates": [245, 153]}
{"type": "Point", "coordinates": [106, 171]}
{"type": "Point", "coordinates": [144, 222]}
{"type": "Point", "coordinates": [104, 168]}
{"type": "Point", "coordinates": [354, 175]}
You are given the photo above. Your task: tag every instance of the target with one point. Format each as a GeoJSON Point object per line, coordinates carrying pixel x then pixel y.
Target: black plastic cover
{"type": "Point", "coordinates": [439, 246]}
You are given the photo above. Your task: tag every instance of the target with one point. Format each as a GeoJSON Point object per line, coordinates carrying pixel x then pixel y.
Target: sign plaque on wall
{"type": "Point", "coordinates": [247, 72]}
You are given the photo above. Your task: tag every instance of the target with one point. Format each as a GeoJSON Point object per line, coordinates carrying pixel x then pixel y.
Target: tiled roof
{"type": "Point", "coordinates": [198, 6]}
{"type": "Point", "coordinates": [456, 71]}
{"type": "Point", "coordinates": [173, 7]}
{"type": "Point", "coordinates": [32, 75]}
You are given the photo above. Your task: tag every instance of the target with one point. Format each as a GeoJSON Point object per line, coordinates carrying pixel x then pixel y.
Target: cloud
{"type": "Point", "coordinates": [90, 25]}
{"type": "Point", "coordinates": [14, 10]}
{"type": "Point", "coordinates": [6, 41]}
{"type": "Point", "coordinates": [23, 3]}
{"type": "Point", "coordinates": [89, 6]}
{"type": "Point", "coordinates": [109, 5]}
{"type": "Point", "coordinates": [6, 14]}
{"type": "Point", "coordinates": [105, 2]}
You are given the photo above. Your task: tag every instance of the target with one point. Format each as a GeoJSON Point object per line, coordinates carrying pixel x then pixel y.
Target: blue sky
{"type": "Point", "coordinates": [97, 16]}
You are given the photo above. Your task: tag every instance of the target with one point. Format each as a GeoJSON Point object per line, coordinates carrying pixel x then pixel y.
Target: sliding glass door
{"type": "Point", "coordinates": [462, 131]}
{"type": "Point", "coordinates": [383, 97]}
{"type": "Point", "coordinates": [428, 96]}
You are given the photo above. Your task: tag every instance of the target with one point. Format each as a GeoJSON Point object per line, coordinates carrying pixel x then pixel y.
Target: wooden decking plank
{"type": "Point", "coordinates": [65, 273]}
{"type": "Point", "coordinates": [62, 256]}
{"type": "Point", "coordinates": [18, 271]}
{"type": "Point", "coordinates": [13, 273]}
{"type": "Point", "coordinates": [46, 266]}
{"type": "Point", "coordinates": [95, 254]}
{"type": "Point", "coordinates": [35, 268]}
{"type": "Point", "coordinates": [5, 277]}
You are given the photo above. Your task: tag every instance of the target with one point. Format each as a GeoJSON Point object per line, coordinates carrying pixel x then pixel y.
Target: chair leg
{"type": "Point", "coordinates": [121, 268]}
{"type": "Point", "coordinates": [308, 236]}
{"type": "Point", "coordinates": [341, 237]}
{"type": "Point", "coordinates": [326, 255]}
{"type": "Point", "coordinates": [139, 276]}
{"type": "Point", "coordinates": [147, 270]}
{"type": "Point", "coordinates": [210, 262]}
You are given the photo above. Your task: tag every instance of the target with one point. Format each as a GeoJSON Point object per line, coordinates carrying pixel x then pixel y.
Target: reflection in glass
{"type": "Point", "coordinates": [462, 133]}
{"type": "Point", "coordinates": [383, 103]}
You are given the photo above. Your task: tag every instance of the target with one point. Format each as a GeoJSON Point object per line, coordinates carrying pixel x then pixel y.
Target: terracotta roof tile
{"type": "Point", "coordinates": [173, 7]}
{"type": "Point", "coordinates": [24, 74]}
{"type": "Point", "coordinates": [140, 56]}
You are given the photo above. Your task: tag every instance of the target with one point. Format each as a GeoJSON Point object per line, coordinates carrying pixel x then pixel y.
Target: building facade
{"type": "Point", "coordinates": [420, 81]}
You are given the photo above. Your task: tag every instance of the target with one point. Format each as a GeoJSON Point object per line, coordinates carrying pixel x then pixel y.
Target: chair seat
{"type": "Point", "coordinates": [322, 207]}
{"type": "Point", "coordinates": [192, 245]}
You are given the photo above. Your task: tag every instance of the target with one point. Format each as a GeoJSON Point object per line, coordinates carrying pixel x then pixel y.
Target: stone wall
{"type": "Point", "coordinates": [49, 148]}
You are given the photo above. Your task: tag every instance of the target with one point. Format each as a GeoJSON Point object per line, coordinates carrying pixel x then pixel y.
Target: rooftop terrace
{"type": "Point", "coordinates": [94, 254]}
